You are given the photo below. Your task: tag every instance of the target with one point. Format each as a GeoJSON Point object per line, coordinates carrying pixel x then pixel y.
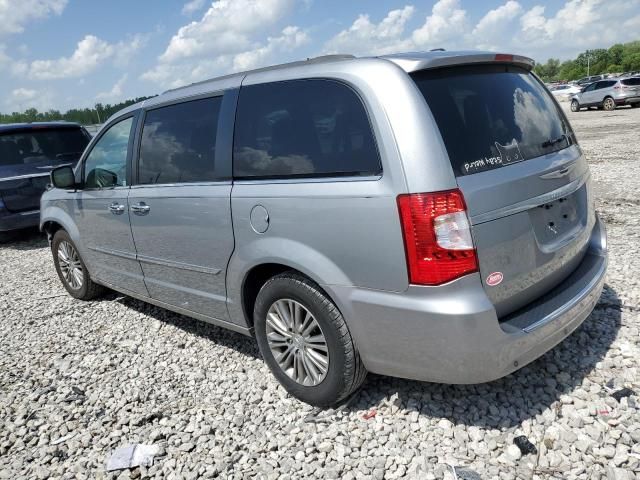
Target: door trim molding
{"type": "Point", "coordinates": [180, 265]}
{"type": "Point", "coordinates": [115, 253]}
{"type": "Point", "coordinates": [157, 261]}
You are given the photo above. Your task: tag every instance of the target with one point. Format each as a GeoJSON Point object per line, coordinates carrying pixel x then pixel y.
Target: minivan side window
{"type": "Point", "coordinates": [106, 164]}
{"type": "Point", "coordinates": [302, 128]}
{"type": "Point", "coordinates": [179, 143]}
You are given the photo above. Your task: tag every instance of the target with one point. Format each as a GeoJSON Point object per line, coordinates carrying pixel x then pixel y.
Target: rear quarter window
{"type": "Point", "coordinates": [491, 116]}
{"type": "Point", "coordinates": [302, 128]}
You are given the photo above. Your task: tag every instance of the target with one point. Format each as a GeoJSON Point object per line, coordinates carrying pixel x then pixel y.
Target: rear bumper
{"type": "Point", "coordinates": [15, 221]}
{"type": "Point", "coordinates": [627, 100]}
{"type": "Point", "coordinates": [451, 333]}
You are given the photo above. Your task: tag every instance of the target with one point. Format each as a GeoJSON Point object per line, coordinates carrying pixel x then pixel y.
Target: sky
{"type": "Point", "coordinates": [75, 53]}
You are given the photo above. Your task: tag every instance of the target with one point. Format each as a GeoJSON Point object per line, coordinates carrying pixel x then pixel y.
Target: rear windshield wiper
{"type": "Point", "coordinates": [553, 141]}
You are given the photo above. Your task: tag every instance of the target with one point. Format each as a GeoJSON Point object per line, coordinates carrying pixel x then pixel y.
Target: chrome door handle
{"type": "Point", "coordinates": [140, 208]}
{"type": "Point", "coordinates": [116, 208]}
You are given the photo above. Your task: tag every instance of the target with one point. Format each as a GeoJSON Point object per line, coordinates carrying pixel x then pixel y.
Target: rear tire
{"type": "Point", "coordinates": [321, 367]}
{"type": "Point", "coordinates": [575, 106]}
{"type": "Point", "coordinates": [609, 104]}
{"type": "Point", "coordinates": [71, 269]}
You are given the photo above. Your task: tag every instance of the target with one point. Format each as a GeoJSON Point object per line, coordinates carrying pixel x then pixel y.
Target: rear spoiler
{"type": "Point", "coordinates": [412, 62]}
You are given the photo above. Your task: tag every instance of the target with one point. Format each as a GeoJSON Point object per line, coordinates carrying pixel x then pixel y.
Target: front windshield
{"type": "Point", "coordinates": [53, 145]}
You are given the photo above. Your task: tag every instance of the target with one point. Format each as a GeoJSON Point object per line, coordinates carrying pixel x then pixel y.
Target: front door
{"type": "Point", "coordinates": [102, 213]}
{"type": "Point", "coordinates": [588, 94]}
{"type": "Point", "coordinates": [180, 207]}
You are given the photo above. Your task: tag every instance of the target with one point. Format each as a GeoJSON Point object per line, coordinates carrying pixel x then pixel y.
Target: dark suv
{"type": "Point", "coordinates": [28, 152]}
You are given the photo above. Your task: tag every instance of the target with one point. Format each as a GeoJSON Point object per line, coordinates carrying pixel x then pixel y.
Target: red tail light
{"type": "Point", "coordinates": [503, 57]}
{"type": "Point", "coordinates": [437, 237]}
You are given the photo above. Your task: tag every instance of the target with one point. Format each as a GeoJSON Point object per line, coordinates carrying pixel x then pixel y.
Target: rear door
{"type": "Point", "coordinates": [180, 206]}
{"type": "Point", "coordinates": [587, 97]}
{"type": "Point", "coordinates": [602, 89]}
{"type": "Point", "coordinates": [524, 178]}
{"type": "Point", "coordinates": [101, 209]}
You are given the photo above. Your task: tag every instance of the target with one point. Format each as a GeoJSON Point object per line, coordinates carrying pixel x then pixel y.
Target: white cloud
{"type": "Point", "coordinates": [230, 36]}
{"type": "Point", "coordinates": [15, 14]}
{"type": "Point", "coordinates": [575, 26]}
{"type": "Point", "coordinates": [91, 52]}
{"type": "Point", "coordinates": [225, 28]}
{"type": "Point", "coordinates": [116, 91]}
{"type": "Point", "coordinates": [22, 98]}
{"type": "Point", "coordinates": [533, 19]}
{"type": "Point", "coordinates": [192, 7]}
{"type": "Point", "coordinates": [23, 94]}
{"type": "Point", "coordinates": [497, 25]}
{"type": "Point", "coordinates": [242, 34]}
{"type": "Point", "coordinates": [446, 22]}
{"type": "Point", "coordinates": [579, 25]}
{"type": "Point", "coordinates": [374, 38]}
{"type": "Point", "coordinates": [291, 38]}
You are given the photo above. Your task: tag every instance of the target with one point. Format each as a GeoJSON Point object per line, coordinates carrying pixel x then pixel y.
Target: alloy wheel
{"type": "Point", "coordinates": [297, 342]}
{"type": "Point", "coordinates": [609, 104]}
{"type": "Point", "coordinates": [70, 265]}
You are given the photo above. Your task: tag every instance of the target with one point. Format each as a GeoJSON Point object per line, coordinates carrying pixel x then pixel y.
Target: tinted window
{"type": "Point", "coordinates": [630, 81]}
{"type": "Point", "coordinates": [50, 145]}
{"type": "Point", "coordinates": [605, 84]}
{"type": "Point", "coordinates": [492, 116]}
{"type": "Point", "coordinates": [589, 88]}
{"type": "Point", "coordinates": [302, 128]}
{"type": "Point", "coordinates": [179, 143]}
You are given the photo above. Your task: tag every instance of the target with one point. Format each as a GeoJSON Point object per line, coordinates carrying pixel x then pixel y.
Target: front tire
{"type": "Point", "coordinates": [609, 104]}
{"type": "Point", "coordinates": [305, 341]}
{"type": "Point", "coordinates": [71, 269]}
{"type": "Point", "coordinates": [575, 106]}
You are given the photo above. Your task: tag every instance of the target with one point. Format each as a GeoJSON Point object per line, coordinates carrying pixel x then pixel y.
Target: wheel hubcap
{"type": "Point", "coordinates": [297, 342]}
{"type": "Point", "coordinates": [70, 266]}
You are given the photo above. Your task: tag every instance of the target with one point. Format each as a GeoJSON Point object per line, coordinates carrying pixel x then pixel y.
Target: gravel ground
{"type": "Point", "coordinates": [78, 380]}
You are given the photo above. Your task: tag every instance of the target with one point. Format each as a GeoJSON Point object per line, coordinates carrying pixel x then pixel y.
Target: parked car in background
{"type": "Point", "coordinates": [330, 209]}
{"type": "Point", "coordinates": [565, 90]}
{"type": "Point", "coordinates": [28, 152]}
{"type": "Point", "coordinates": [608, 94]}
{"type": "Point", "coordinates": [587, 80]}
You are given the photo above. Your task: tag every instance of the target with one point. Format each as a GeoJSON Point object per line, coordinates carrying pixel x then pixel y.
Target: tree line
{"type": "Point", "coordinates": [621, 57]}
{"type": "Point", "coordinates": [85, 116]}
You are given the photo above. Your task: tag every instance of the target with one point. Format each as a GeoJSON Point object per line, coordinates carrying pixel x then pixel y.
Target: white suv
{"type": "Point", "coordinates": [608, 94]}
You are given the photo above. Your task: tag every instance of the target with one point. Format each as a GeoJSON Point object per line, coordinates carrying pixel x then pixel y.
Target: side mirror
{"type": "Point", "coordinates": [63, 177]}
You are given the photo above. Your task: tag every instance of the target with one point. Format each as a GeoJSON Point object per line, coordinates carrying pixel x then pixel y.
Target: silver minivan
{"type": "Point", "coordinates": [420, 215]}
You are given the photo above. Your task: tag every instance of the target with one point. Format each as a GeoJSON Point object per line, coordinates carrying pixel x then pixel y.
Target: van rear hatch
{"type": "Point", "coordinates": [524, 178]}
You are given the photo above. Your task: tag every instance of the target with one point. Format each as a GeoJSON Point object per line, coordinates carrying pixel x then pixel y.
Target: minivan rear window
{"type": "Point", "coordinates": [491, 116]}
